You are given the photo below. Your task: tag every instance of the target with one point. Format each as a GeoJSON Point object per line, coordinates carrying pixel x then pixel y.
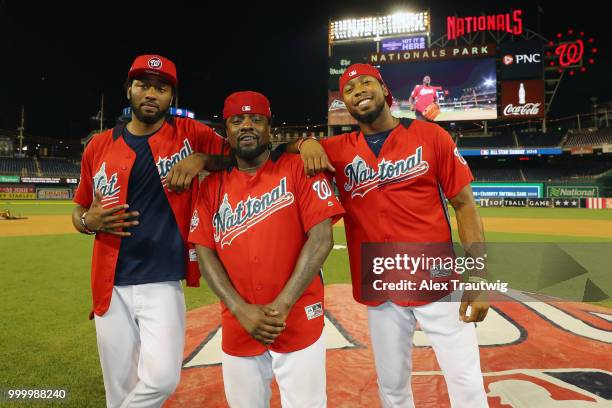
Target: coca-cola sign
{"type": "Point", "coordinates": [529, 109]}
{"type": "Point", "coordinates": [522, 99]}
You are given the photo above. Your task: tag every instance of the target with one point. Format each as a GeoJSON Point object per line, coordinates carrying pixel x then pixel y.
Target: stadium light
{"type": "Point", "coordinates": [377, 27]}
{"type": "Point", "coordinates": [488, 83]}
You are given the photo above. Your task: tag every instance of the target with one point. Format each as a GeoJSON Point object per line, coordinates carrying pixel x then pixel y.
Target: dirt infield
{"type": "Point", "coordinates": [61, 224]}
{"type": "Point", "coordinates": [37, 225]}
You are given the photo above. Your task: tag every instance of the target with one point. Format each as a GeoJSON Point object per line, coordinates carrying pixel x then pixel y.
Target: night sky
{"type": "Point", "coordinates": [58, 58]}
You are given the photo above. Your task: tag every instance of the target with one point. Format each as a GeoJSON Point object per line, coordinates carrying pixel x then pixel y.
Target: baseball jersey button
{"type": "Point", "coordinates": [259, 287]}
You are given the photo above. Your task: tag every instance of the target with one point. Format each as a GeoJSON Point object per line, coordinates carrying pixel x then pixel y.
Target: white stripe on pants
{"type": "Point", "coordinates": [140, 342]}
{"type": "Point", "coordinates": [300, 376]}
{"type": "Point", "coordinates": [454, 343]}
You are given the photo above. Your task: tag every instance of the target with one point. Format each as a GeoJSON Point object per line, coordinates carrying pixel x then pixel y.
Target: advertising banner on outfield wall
{"type": "Point", "coordinates": [581, 150]}
{"type": "Point", "coordinates": [507, 190]}
{"type": "Point", "coordinates": [539, 202]}
{"type": "Point", "coordinates": [9, 179]}
{"type": "Point", "coordinates": [41, 180]}
{"type": "Point", "coordinates": [567, 202]}
{"type": "Point", "coordinates": [54, 193]}
{"type": "Point", "coordinates": [597, 203]}
{"type": "Point", "coordinates": [17, 189]}
{"type": "Point", "coordinates": [515, 202]}
{"type": "Point", "coordinates": [491, 202]}
{"type": "Point", "coordinates": [17, 196]}
{"type": "Point", "coordinates": [572, 191]}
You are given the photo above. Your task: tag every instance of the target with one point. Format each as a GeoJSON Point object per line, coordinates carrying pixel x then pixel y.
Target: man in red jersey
{"type": "Point", "coordinates": [422, 97]}
{"type": "Point", "coordinates": [141, 255]}
{"type": "Point", "coordinates": [394, 177]}
{"type": "Point", "coordinates": [262, 231]}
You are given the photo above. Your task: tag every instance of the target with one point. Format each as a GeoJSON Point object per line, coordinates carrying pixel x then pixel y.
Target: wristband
{"type": "Point", "coordinates": [299, 145]}
{"type": "Point", "coordinates": [87, 230]}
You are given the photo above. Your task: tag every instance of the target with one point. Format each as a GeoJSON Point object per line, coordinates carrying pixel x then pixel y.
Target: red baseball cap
{"type": "Point", "coordinates": [357, 70]}
{"type": "Point", "coordinates": [154, 65]}
{"type": "Point", "coordinates": [243, 102]}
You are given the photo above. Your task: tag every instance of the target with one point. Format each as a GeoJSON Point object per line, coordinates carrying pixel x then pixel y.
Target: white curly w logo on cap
{"type": "Point", "coordinates": [154, 63]}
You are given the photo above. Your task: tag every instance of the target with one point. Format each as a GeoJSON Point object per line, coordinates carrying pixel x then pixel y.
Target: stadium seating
{"type": "Point", "coordinates": [48, 167]}
{"type": "Point", "coordinates": [497, 174]}
{"type": "Point", "coordinates": [58, 167]}
{"type": "Point", "coordinates": [17, 166]}
{"type": "Point", "coordinates": [588, 137]}
{"type": "Point", "coordinates": [537, 139]}
{"type": "Point", "coordinates": [502, 140]}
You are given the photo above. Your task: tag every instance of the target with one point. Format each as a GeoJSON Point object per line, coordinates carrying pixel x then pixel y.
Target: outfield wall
{"type": "Point", "coordinates": [35, 192]}
{"type": "Point", "coordinates": [538, 190]}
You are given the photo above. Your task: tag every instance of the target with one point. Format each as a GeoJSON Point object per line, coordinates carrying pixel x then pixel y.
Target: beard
{"type": "Point", "coordinates": [147, 118]}
{"type": "Point", "coordinates": [249, 154]}
{"type": "Point", "coordinates": [369, 117]}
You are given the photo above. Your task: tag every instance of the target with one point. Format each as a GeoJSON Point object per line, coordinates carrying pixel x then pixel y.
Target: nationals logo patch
{"type": "Point", "coordinates": [108, 186]}
{"type": "Point", "coordinates": [362, 178]}
{"type": "Point", "coordinates": [229, 222]}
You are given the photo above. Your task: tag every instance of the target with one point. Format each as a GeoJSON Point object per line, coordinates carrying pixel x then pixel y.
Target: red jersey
{"type": "Point", "coordinates": [399, 195]}
{"type": "Point", "coordinates": [425, 95]}
{"type": "Point", "coordinates": [106, 165]}
{"type": "Point", "coordinates": [257, 224]}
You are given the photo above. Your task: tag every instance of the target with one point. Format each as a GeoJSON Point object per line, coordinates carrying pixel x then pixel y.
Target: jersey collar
{"type": "Point", "coordinates": [118, 129]}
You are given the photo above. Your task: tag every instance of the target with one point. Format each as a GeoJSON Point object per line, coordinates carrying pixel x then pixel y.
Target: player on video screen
{"type": "Point", "coordinates": [422, 96]}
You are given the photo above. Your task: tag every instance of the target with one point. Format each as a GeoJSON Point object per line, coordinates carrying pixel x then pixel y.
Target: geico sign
{"type": "Point", "coordinates": [522, 59]}
{"type": "Point", "coordinates": [520, 110]}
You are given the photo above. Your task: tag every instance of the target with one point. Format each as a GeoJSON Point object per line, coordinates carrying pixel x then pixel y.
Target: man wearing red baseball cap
{"type": "Point", "coordinates": [141, 252]}
{"type": "Point", "coordinates": [262, 231]}
{"type": "Point", "coordinates": [394, 178]}
{"type": "Point", "coordinates": [154, 65]}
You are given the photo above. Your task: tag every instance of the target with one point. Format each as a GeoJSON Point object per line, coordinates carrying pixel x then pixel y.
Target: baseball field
{"type": "Point", "coordinates": [47, 341]}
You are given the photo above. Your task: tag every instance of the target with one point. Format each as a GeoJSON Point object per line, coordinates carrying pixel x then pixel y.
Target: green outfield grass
{"type": "Point", "coordinates": [562, 213]}
{"type": "Point", "coordinates": [47, 339]}
{"type": "Point", "coordinates": [33, 207]}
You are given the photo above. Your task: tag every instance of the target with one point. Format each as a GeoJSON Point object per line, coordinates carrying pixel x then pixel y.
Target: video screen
{"type": "Point", "coordinates": [465, 89]}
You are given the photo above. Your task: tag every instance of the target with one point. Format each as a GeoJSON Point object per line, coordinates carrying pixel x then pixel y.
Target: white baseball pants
{"type": "Point", "coordinates": [300, 376]}
{"type": "Point", "coordinates": [454, 343]}
{"type": "Point", "coordinates": [140, 342]}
